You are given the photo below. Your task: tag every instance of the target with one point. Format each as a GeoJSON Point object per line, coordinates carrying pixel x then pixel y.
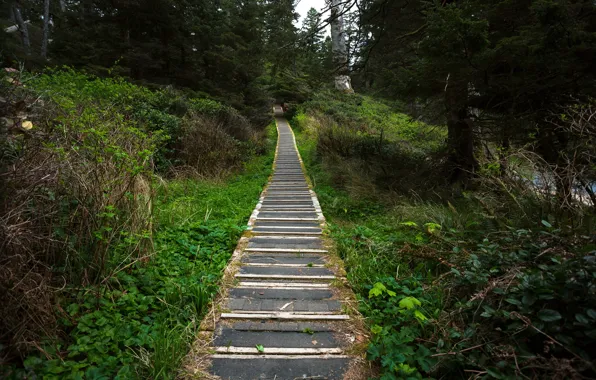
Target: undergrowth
{"type": "Point", "coordinates": [140, 323]}
{"type": "Point", "coordinates": [376, 146]}
{"type": "Point", "coordinates": [449, 287]}
{"type": "Point", "coordinates": [113, 231]}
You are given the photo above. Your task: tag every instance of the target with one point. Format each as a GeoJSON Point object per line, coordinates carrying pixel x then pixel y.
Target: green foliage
{"type": "Point", "coordinates": [163, 112]}
{"type": "Point", "coordinates": [447, 288]}
{"type": "Point", "coordinates": [142, 321]}
{"type": "Point", "coordinates": [398, 320]}
{"type": "Point", "coordinates": [145, 308]}
{"type": "Point", "coordinates": [207, 106]}
{"type": "Point", "coordinates": [530, 290]}
{"type": "Point", "coordinates": [141, 256]}
{"type": "Point", "coordinates": [367, 117]}
{"type": "Point", "coordinates": [308, 330]}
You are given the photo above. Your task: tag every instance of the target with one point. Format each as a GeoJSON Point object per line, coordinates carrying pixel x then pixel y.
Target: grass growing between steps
{"type": "Point", "coordinates": [142, 320]}
{"type": "Point", "coordinates": [448, 289]}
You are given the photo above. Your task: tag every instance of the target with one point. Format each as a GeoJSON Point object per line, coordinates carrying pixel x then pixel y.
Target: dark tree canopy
{"type": "Point", "coordinates": [501, 66]}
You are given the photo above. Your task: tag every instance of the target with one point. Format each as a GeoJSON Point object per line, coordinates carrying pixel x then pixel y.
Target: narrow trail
{"type": "Point", "coordinates": [285, 312]}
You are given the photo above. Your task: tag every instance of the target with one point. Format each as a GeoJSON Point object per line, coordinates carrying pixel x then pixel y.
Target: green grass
{"type": "Point", "coordinates": [374, 118]}
{"type": "Point", "coordinates": [184, 202]}
{"type": "Point", "coordinates": [140, 323]}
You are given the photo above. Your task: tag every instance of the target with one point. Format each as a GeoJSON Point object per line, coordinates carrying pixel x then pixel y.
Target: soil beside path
{"type": "Point", "coordinates": [285, 311]}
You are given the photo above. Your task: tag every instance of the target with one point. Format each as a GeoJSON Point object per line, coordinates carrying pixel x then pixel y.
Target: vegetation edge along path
{"type": "Point", "coordinates": [285, 310]}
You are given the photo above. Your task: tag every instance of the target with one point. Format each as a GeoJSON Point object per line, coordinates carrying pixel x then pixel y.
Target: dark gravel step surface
{"type": "Point", "coordinates": [288, 231]}
{"type": "Point", "coordinates": [288, 223]}
{"type": "Point", "coordinates": [291, 294]}
{"type": "Point", "coordinates": [282, 326]}
{"type": "Point", "coordinates": [280, 369]}
{"type": "Point", "coordinates": [285, 305]}
{"type": "Point", "coordinates": [287, 214]}
{"type": "Point", "coordinates": [306, 271]}
{"type": "Point", "coordinates": [287, 207]}
{"type": "Point", "coordinates": [291, 339]}
{"type": "Point", "coordinates": [284, 259]}
{"type": "Point", "coordinates": [286, 192]}
{"type": "Point", "coordinates": [288, 198]}
{"type": "Point", "coordinates": [284, 240]}
{"type": "Point", "coordinates": [301, 245]}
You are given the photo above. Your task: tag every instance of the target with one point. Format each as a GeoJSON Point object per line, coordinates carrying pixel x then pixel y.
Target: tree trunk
{"type": "Point", "coordinates": [62, 6]}
{"type": "Point", "coordinates": [461, 162]}
{"type": "Point", "coordinates": [339, 49]}
{"type": "Point", "coordinates": [22, 29]}
{"type": "Point", "coordinates": [46, 27]}
{"type": "Point", "coordinates": [552, 144]}
{"type": "Point", "coordinates": [85, 9]}
{"type": "Point", "coordinates": [11, 15]}
{"type": "Point", "coordinates": [504, 152]}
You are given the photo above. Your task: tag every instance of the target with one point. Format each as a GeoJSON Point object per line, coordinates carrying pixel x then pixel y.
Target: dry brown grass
{"type": "Point", "coordinates": [213, 147]}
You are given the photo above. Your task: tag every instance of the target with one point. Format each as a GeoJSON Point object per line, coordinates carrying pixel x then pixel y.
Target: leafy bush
{"type": "Point", "coordinates": [76, 198]}
{"type": "Point", "coordinates": [517, 304]}
{"type": "Point", "coordinates": [399, 315]}
{"type": "Point", "coordinates": [529, 297]}
{"type": "Point", "coordinates": [165, 111]}
{"type": "Point", "coordinates": [206, 149]}
{"type": "Point", "coordinates": [111, 327]}
{"type": "Point", "coordinates": [86, 278]}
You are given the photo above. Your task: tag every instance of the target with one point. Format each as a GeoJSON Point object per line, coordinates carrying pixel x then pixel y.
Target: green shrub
{"type": "Point", "coordinates": [142, 323]}
{"type": "Point", "coordinates": [529, 297]}
{"type": "Point", "coordinates": [399, 313]}
{"type": "Point", "coordinates": [455, 287]}
{"type": "Point", "coordinates": [164, 111]}
{"type": "Point", "coordinates": [88, 280]}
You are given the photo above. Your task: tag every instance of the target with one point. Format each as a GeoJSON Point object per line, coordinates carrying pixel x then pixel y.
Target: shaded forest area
{"type": "Point", "coordinates": [458, 180]}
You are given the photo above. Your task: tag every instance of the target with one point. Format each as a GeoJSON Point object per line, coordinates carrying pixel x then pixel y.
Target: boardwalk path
{"type": "Point", "coordinates": [285, 312]}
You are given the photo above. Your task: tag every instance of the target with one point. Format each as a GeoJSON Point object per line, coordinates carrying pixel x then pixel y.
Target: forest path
{"type": "Point", "coordinates": [285, 311]}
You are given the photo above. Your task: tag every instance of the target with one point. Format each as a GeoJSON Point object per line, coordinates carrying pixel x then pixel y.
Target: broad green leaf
{"type": "Point", "coordinates": [409, 224]}
{"type": "Point", "coordinates": [582, 319]}
{"type": "Point", "coordinates": [418, 314]}
{"type": "Point", "coordinates": [409, 303]}
{"type": "Point", "coordinates": [549, 315]}
{"type": "Point", "coordinates": [513, 301]}
{"type": "Point", "coordinates": [528, 299]}
{"type": "Point", "coordinates": [406, 369]}
{"type": "Point", "coordinates": [377, 290]}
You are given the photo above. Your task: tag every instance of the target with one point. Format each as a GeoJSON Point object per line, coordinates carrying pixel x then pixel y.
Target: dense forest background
{"type": "Point", "coordinates": [461, 172]}
{"type": "Point", "coordinates": [236, 51]}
